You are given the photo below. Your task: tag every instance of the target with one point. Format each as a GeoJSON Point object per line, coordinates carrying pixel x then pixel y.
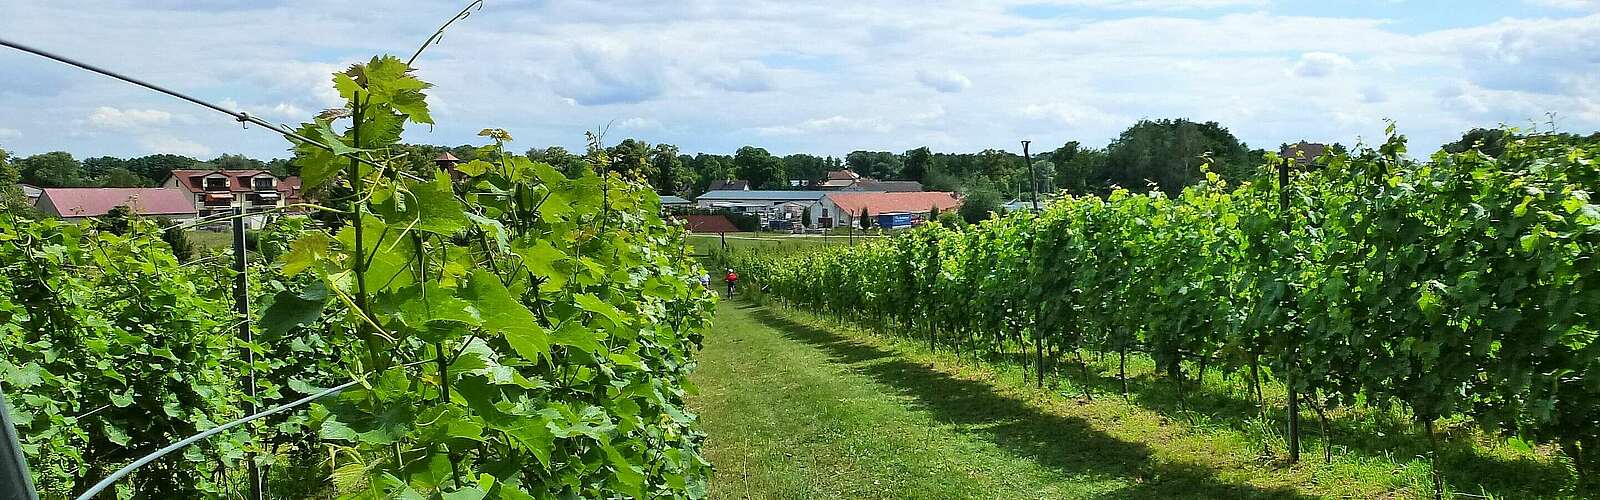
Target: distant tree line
{"type": "Point", "coordinates": [1161, 154]}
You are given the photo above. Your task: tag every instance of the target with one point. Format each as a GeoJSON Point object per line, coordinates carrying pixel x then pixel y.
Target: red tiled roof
{"type": "Point", "coordinates": [842, 175]}
{"type": "Point", "coordinates": [708, 224]}
{"type": "Point", "coordinates": [882, 203]}
{"type": "Point", "coordinates": [94, 202]}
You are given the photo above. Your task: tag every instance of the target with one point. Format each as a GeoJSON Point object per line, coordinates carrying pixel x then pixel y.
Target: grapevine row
{"type": "Point", "coordinates": [1460, 285]}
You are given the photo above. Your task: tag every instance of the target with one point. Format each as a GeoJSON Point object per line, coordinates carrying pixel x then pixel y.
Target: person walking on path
{"type": "Point", "coordinates": [705, 280]}
{"type": "Point", "coordinates": [731, 278]}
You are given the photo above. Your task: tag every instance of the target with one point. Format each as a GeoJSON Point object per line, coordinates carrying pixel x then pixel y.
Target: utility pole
{"type": "Point", "coordinates": [1033, 179]}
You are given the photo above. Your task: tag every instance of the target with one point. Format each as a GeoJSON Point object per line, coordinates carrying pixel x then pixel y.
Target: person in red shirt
{"type": "Point", "coordinates": [731, 278]}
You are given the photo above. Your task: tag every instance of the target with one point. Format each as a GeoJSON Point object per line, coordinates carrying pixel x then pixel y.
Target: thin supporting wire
{"type": "Point", "coordinates": [112, 479]}
{"type": "Point", "coordinates": [239, 116]}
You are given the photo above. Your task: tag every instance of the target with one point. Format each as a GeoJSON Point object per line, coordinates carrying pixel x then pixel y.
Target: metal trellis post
{"type": "Point", "coordinates": [15, 481]}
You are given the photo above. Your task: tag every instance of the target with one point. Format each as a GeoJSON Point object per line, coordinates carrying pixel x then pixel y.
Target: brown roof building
{"type": "Point", "coordinates": [78, 203]}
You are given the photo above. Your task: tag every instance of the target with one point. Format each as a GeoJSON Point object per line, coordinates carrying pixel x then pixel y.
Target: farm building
{"type": "Point", "coordinates": [80, 203]}
{"type": "Point", "coordinates": [891, 210]}
{"type": "Point", "coordinates": [773, 208]}
{"type": "Point", "coordinates": [30, 192]}
{"type": "Point", "coordinates": [675, 201]}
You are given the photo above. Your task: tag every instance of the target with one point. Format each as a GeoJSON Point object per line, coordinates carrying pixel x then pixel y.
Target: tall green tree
{"type": "Point", "coordinates": [759, 167]}
{"type": "Point", "coordinates": [915, 163]}
{"type": "Point", "coordinates": [671, 175]}
{"type": "Point", "coordinates": [53, 169]}
{"type": "Point", "coordinates": [874, 164]}
{"type": "Point", "coordinates": [631, 158]}
{"type": "Point", "coordinates": [11, 197]}
{"type": "Point", "coordinates": [1166, 154]}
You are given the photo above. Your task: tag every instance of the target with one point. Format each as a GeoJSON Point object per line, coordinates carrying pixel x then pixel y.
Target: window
{"type": "Point", "coordinates": [824, 212]}
{"type": "Point", "coordinates": [263, 183]}
{"type": "Point", "coordinates": [216, 184]}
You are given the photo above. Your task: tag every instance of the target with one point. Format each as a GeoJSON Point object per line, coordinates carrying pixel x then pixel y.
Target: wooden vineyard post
{"type": "Point", "coordinates": [1294, 397]}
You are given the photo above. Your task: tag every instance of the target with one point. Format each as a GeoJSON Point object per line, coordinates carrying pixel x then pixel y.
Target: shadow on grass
{"type": "Point", "coordinates": [1372, 435]}
{"type": "Point", "coordinates": [1067, 444]}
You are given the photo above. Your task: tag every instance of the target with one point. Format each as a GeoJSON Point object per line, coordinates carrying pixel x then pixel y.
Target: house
{"type": "Point", "coordinates": [729, 185]}
{"type": "Point", "coordinates": [891, 210]}
{"type": "Point", "coordinates": [1303, 153]}
{"type": "Point", "coordinates": [30, 192]}
{"type": "Point", "coordinates": [769, 206]}
{"type": "Point", "coordinates": [81, 203]}
{"type": "Point", "coordinates": [838, 179]}
{"type": "Point", "coordinates": [873, 185]}
{"type": "Point", "coordinates": [214, 192]}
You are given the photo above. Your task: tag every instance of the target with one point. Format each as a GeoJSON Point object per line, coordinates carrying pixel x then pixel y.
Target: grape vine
{"type": "Point", "coordinates": [1460, 285]}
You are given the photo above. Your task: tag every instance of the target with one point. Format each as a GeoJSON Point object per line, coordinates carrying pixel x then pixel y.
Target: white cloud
{"type": "Point", "coordinates": [1156, 4]}
{"type": "Point", "coordinates": [1567, 4]}
{"type": "Point", "coordinates": [944, 81]}
{"type": "Point", "coordinates": [128, 119]}
{"type": "Point", "coordinates": [639, 123]}
{"type": "Point", "coordinates": [832, 124]}
{"type": "Point", "coordinates": [10, 133]}
{"type": "Point", "coordinates": [173, 145]}
{"type": "Point", "coordinates": [1319, 64]}
{"type": "Point", "coordinates": [822, 77]}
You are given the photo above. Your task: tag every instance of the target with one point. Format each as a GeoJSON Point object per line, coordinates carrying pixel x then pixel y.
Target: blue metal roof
{"type": "Point", "coordinates": [735, 195]}
{"type": "Point", "coordinates": [674, 200]}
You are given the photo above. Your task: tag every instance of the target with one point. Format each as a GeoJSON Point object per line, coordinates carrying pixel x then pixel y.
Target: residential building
{"type": "Point", "coordinates": [675, 201]}
{"type": "Point", "coordinates": [81, 203]}
{"type": "Point", "coordinates": [838, 179]}
{"type": "Point", "coordinates": [891, 210]}
{"type": "Point", "coordinates": [1303, 153]}
{"type": "Point", "coordinates": [214, 192]}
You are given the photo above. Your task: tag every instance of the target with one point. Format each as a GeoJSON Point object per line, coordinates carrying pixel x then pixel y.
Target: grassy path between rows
{"type": "Point", "coordinates": [797, 411]}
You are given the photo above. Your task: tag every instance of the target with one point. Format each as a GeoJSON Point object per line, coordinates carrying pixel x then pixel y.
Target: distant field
{"type": "Point", "coordinates": [705, 243]}
{"type": "Point", "coordinates": [210, 239]}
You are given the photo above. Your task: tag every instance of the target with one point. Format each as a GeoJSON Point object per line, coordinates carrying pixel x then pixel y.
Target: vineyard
{"type": "Point", "coordinates": [1455, 291]}
{"type": "Point", "coordinates": [505, 331]}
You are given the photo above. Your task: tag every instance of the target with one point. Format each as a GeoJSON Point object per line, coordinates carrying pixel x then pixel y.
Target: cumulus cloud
{"type": "Point", "coordinates": [1319, 64]}
{"type": "Point", "coordinates": [1156, 4]}
{"type": "Point", "coordinates": [747, 76]}
{"type": "Point", "coordinates": [128, 119]}
{"type": "Point", "coordinates": [639, 123]}
{"type": "Point", "coordinates": [944, 81]}
{"type": "Point", "coordinates": [1373, 95]}
{"type": "Point", "coordinates": [823, 77]}
{"type": "Point", "coordinates": [832, 124]}
{"type": "Point", "coordinates": [601, 73]}
{"type": "Point", "coordinates": [173, 145]}
{"type": "Point", "coordinates": [1567, 4]}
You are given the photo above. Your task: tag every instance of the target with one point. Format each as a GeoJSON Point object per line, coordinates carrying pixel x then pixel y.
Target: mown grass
{"type": "Point", "coordinates": [797, 407]}
{"type": "Point", "coordinates": [208, 240]}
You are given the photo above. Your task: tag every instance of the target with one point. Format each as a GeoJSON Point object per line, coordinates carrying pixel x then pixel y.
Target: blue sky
{"type": "Point", "coordinates": [823, 77]}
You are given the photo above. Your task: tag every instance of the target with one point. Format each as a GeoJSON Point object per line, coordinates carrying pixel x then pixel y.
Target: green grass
{"type": "Point", "coordinates": [703, 243]}
{"type": "Point", "coordinates": [799, 408]}
{"type": "Point", "coordinates": [208, 240]}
